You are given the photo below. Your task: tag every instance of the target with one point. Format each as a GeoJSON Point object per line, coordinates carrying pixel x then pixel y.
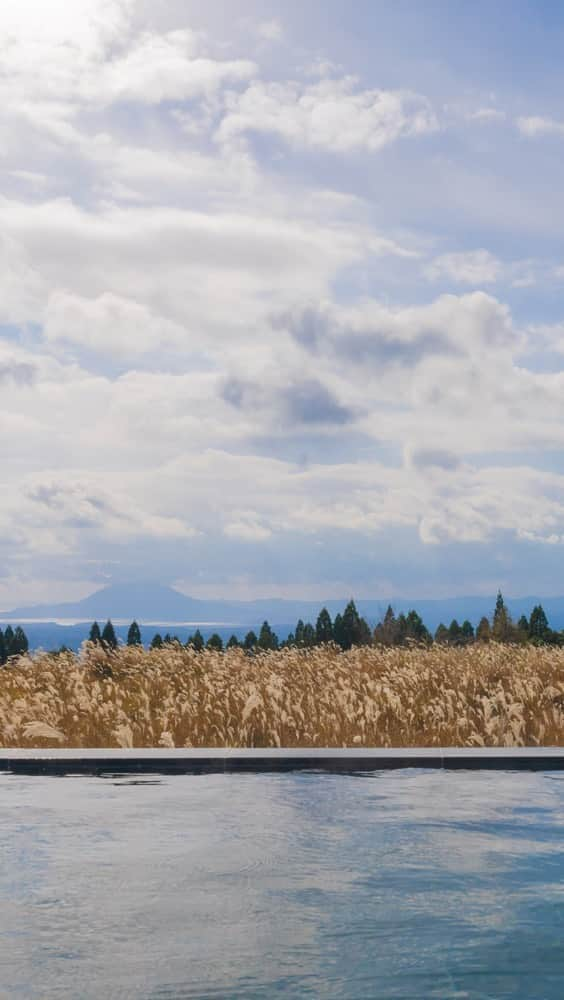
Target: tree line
{"type": "Point", "coordinates": [13, 642]}
{"type": "Point", "coordinates": [345, 631]}
{"type": "Point", "coordinates": [351, 629]}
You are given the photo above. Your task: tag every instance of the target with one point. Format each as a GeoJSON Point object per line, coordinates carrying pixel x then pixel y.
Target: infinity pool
{"type": "Point", "coordinates": [403, 884]}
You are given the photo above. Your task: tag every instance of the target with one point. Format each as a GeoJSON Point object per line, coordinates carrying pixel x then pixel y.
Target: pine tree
{"type": "Point", "coordinates": [454, 631]}
{"type": "Point", "coordinates": [250, 642]}
{"type": "Point", "coordinates": [215, 642]}
{"type": "Point", "coordinates": [324, 627]}
{"type": "Point", "coordinates": [502, 626]}
{"type": "Point", "coordinates": [338, 631]}
{"type": "Point", "coordinates": [267, 639]}
{"type": "Point", "coordinates": [95, 634]}
{"type": "Point", "coordinates": [134, 635]}
{"type": "Point", "coordinates": [415, 630]}
{"type": "Point", "coordinates": [351, 626]}
{"type": "Point", "coordinates": [442, 634]}
{"type": "Point", "coordinates": [309, 636]}
{"type": "Point", "coordinates": [196, 641]}
{"type": "Point", "coordinates": [233, 642]}
{"type": "Point", "coordinates": [156, 641]}
{"type": "Point", "coordinates": [467, 631]}
{"type": "Point", "coordinates": [523, 624]}
{"type": "Point", "coordinates": [483, 632]}
{"type": "Point", "coordinates": [299, 634]}
{"type": "Point", "coordinates": [3, 654]}
{"type": "Point", "coordinates": [20, 645]}
{"type": "Point", "coordinates": [385, 633]}
{"type": "Point", "coordinates": [539, 631]}
{"type": "Point", "coordinates": [109, 638]}
{"type": "Point", "coordinates": [9, 641]}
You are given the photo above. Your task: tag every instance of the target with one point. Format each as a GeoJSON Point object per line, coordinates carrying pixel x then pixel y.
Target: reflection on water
{"type": "Point", "coordinates": [406, 884]}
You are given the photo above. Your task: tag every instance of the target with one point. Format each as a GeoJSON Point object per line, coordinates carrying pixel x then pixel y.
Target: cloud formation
{"type": "Point", "coordinates": [268, 317]}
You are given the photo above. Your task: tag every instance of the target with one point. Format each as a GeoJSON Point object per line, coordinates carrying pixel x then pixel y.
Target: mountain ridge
{"type": "Point", "coordinates": [150, 602]}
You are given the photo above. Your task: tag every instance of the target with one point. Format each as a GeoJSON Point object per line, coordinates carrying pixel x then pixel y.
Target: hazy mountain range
{"type": "Point", "coordinates": [155, 603]}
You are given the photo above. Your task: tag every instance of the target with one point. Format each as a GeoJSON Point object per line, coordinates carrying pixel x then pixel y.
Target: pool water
{"type": "Point", "coordinates": [403, 884]}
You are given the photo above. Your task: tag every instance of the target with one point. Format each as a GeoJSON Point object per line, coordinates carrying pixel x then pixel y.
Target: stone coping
{"type": "Point", "coordinates": [209, 761]}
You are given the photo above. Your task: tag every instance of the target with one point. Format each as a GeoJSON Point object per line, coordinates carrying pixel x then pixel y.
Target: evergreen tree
{"type": "Point", "coordinates": [20, 645]}
{"type": "Point", "coordinates": [502, 626]}
{"type": "Point", "coordinates": [442, 634]}
{"type": "Point", "coordinates": [215, 642]}
{"type": "Point", "coordinates": [250, 642]}
{"type": "Point", "coordinates": [3, 654]}
{"type": "Point", "coordinates": [156, 641]}
{"type": "Point", "coordinates": [338, 631]}
{"type": "Point", "coordinates": [233, 642]}
{"type": "Point", "coordinates": [401, 631]}
{"type": "Point", "coordinates": [289, 641]}
{"type": "Point", "coordinates": [309, 636]}
{"type": "Point", "coordinates": [483, 632]}
{"type": "Point", "coordinates": [134, 635]}
{"type": "Point", "coordinates": [95, 634]}
{"type": "Point", "coordinates": [324, 627]}
{"type": "Point", "coordinates": [454, 633]}
{"type": "Point", "coordinates": [539, 631]}
{"type": "Point", "coordinates": [385, 633]}
{"type": "Point", "coordinates": [9, 640]}
{"type": "Point", "coordinates": [415, 630]}
{"type": "Point", "coordinates": [196, 641]}
{"type": "Point", "coordinates": [299, 635]}
{"type": "Point", "coordinates": [467, 631]}
{"type": "Point", "coordinates": [351, 626]}
{"type": "Point", "coordinates": [523, 624]}
{"type": "Point", "coordinates": [267, 639]}
{"type": "Point", "coordinates": [109, 637]}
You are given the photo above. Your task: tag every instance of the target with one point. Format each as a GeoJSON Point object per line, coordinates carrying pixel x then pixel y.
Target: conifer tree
{"type": "Point", "coordinates": [109, 637]}
{"type": "Point", "coordinates": [156, 641]}
{"type": "Point", "coordinates": [502, 626]}
{"type": "Point", "coordinates": [20, 645]}
{"type": "Point", "coordinates": [299, 635]}
{"type": "Point", "coordinates": [415, 630]}
{"type": "Point", "coordinates": [250, 642]}
{"type": "Point", "coordinates": [309, 636]}
{"type": "Point", "coordinates": [467, 631]}
{"type": "Point", "coordinates": [385, 633]}
{"type": "Point", "coordinates": [9, 641]}
{"type": "Point", "coordinates": [267, 639]}
{"type": "Point", "coordinates": [95, 634]}
{"type": "Point", "coordinates": [441, 633]}
{"type": "Point", "coordinates": [539, 631]}
{"type": "Point", "coordinates": [483, 632]}
{"type": "Point", "coordinates": [134, 635]}
{"type": "Point", "coordinates": [454, 633]}
{"type": "Point", "coordinates": [197, 641]}
{"type": "Point", "coordinates": [233, 642]}
{"type": "Point", "coordinates": [351, 626]}
{"type": "Point", "coordinates": [215, 642]}
{"type": "Point", "coordinates": [324, 627]}
{"type": "Point", "coordinates": [338, 631]}
{"type": "Point", "coordinates": [3, 654]}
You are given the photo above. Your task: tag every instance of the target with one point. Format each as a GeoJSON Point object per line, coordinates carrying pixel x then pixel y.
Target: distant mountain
{"type": "Point", "coordinates": [149, 602]}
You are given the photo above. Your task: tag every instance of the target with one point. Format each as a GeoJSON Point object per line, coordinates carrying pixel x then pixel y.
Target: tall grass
{"type": "Point", "coordinates": [481, 695]}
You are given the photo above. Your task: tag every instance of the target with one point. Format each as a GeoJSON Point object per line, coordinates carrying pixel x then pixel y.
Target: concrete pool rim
{"type": "Point", "coordinates": [82, 761]}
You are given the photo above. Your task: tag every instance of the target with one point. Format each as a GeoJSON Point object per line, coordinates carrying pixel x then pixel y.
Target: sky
{"type": "Point", "coordinates": [281, 304]}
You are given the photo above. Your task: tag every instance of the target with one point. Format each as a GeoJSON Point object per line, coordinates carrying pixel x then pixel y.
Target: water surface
{"type": "Point", "coordinates": [403, 884]}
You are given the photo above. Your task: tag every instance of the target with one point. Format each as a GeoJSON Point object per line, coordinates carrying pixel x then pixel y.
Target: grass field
{"type": "Point", "coordinates": [480, 695]}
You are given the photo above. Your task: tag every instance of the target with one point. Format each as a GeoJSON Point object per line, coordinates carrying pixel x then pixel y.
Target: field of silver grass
{"type": "Point", "coordinates": [480, 695]}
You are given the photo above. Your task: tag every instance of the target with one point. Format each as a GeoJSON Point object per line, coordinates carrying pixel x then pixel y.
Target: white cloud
{"type": "Point", "coordinates": [536, 125]}
{"type": "Point", "coordinates": [487, 115]}
{"type": "Point", "coordinates": [109, 325]}
{"type": "Point", "coordinates": [332, 114]}
{"type": "Point", "coordinates": [473, 267]}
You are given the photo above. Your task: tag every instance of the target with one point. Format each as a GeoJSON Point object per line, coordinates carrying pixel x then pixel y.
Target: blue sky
{"type": "Point", "coordinates": [281, 306]}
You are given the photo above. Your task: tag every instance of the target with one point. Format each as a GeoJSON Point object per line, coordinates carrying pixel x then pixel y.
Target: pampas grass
{"type": "Point", "coordinates": [479, 695]}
